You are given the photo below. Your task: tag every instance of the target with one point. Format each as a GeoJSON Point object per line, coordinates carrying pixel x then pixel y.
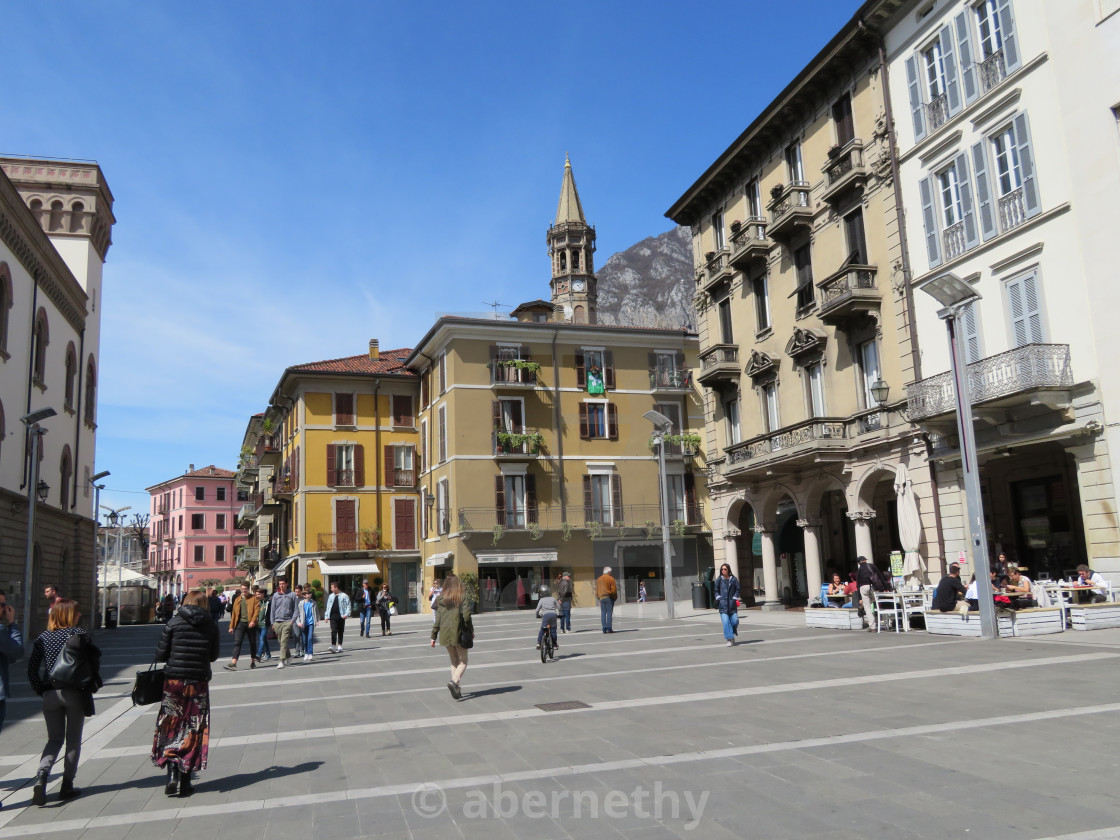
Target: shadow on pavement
{"type": "Point", "coordinates": [205, 784]}
{"type": "Point", "coordinates": [505, 689]}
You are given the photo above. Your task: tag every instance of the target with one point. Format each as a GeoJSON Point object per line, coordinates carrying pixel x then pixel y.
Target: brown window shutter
{"type": "Point", "coordinates": [608, 370]}
{"type": "Point", "coordinates": [616, 499]}
{"type": "Point", "coordinates": [587, 501]}
{"type": "Point", "coordinates": [496, 372]}
{"type": "Point", "coordinates": [359, 465]}
{"type": "Point", "coordinates": [496, 413]}
{"type": "Point", "coordinates": [332, 467]}
{"type": "Point", "coordinates": [581, 372]}
{"type": "Point", "coordinates": [295, 474]}
{"type": "Point", "coordinates": [584, 432]}
{"type": "Point", "coordinates": [415, 467]}
{"type": "Point", "coordinates": [404, 522]}
{"type": "Point", "coordinates": [612, 421]}
{"type": "Point", "coordinates": [344, 409]}
{"type": "Point", "coordinates": [691, 513]}
{"type": "Point", "coordinates": [390, 464]}
{"type": "Point", "coordinates": [500, 499]}
{"type": "Point", "coordinates": [651, 358]}
{"type": "Point", "coordinates": [531, 498]}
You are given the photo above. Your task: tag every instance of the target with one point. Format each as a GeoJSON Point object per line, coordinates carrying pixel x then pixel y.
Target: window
{"type": "Point", "coordinates": [200, 554]}
{"type": "Point", "coordinates": [200, 494]}
{"type": "Point", "coordinates": [404, 524]}
{"type": "Point", "coordinates": [443, 507]}
{"type": "Point", "coordinates": [933, 71]}
{"type": "Point", "coordinates": [219, 555]}
{"type": "Point", "coordinates": [726, 331]}
{"type": "Point", "coordinates": [857, 240]}
{"type": "Point", "coordinates": [220, 494]}
{"type": "Point", "coordinates": [814, 389]}
{"type": "Point", "coordinates": [931, 76]}
{"type": "Point", "coordinates": [220, 522]}
{"type": "Point", "coordinates": [66, 473]}
{"type": "Point", "coordinates": [682, 499]}
{"type": "Point", "coordinates": [769, 396]}
{"type": "Point", "coordinates": [344, 409]}
{"type": "Point", "coordinates": [731, 413]}
{"type": "Point", "coordinates": [804, 266]}
{"type": "Point", "coordinates": [91, 392]}
{"type": "Point", "coordinates": [761, 302]}
{"type": "Point", "coordinates": [442, 433]}
{"type": "Point", "coordinates": [1024, 309]}
{"type": "Point", "coordinates": [602, 498]}
{"type": "Point", "coordinates": [423, 465]}
{"type": "Point", "coordinates": [997, 46]}
{"type": "Point", "coordinates": [443, 372]}
{"type": "Point", "coordinates": [71, 376]}
{"type": "Point", "coordinates": [402, 410]}
{"type": "Point", "coordinates": [717, 231]}
{"type": "Point", "coordinates": [41, 338]}
{"type": "Point", "coordinates": [754, 199]}
{"type": "Point", "coordinates": [1011, 167]}
{"type": "Point", "coordinates": [508, 415]}
{"type": "Point", "coordinates": [794, 169]}
{"type": "Point", "coordinates": [673, 412]}
{"type": "Point", "coordinates": [242, 495]}
{"type": "Point", "coordinates": [502, 359]}
{"type": "Point", "coordinates": [425, 384]}
{"type": "Point", "coordinates": [597, 420]}
{"type": "Point", "coordinates": [344, 465]}
{"type": "Point", "coordinates": [514, 497]}
{"type": "Point", "coordinates": [947, 212]}
{"type": "Point", "coordinates": [398, 466]}
{"type": "Point", "coordinates": [6, 301]}
{"type": "Point", "coordinates": [595, 370]}
{"type": "Point", "coordinates": [198, 521]}
{"type": "Point", "coordinates": [950, 191]}
{"type": "Point", "coordinates": [842, 119]}
{"type": "Point", "coordinates": [869, 370]}
{"type": "Point", "coordinates": [667, 369]}
{"type": "Point", "coordinates": [987, 22]}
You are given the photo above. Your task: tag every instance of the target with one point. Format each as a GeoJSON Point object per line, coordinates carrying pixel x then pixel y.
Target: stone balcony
{"type": "Point", "coordinates": [794, 447]}
{"type": "Point", "coordinates": [848, 294]}
{"type": "Point", "coordinates": [719, 365]}
{"type": "Point", "coordinates": [790, 210]}
{"type": "Point", "coordinates": [750, 244]}
{"type": "Point", "coordinates": [716, 271]}
{"type": "Point", "coordinates": [845, 170]}
{"type": "Point", "coordinates": [1031, 374]}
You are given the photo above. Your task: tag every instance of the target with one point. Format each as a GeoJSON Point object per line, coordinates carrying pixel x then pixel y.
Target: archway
{"type": "Point", "coordinates": [876, 512]}
{"type": "Point", "coordinates": [748, 552]}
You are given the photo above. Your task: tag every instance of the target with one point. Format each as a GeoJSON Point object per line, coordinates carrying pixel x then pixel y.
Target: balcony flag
{"type": "Point", "coordinates": [595, 380]}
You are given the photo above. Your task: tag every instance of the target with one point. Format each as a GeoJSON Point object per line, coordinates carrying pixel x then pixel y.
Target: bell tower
{"type": "Point", "coordinates": [571, 245]}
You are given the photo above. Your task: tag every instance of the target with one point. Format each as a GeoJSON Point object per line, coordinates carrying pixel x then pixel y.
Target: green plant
{"type": "Point", "coordinates": [511, 441]}
{"type": "Point", "coordinates": [268, 425]}
{"type": "Point", "coordinates": [679, 527]}
{"type": "Point", "coordinates": [684, 441]}
{"type": "Point", "coordinates": [535, 530]}
{"type": "Point", "coordinates": [498, 532]}
{"type": "Point", "coordinates": [595, 529]}
{"type": "Point", "coordinates": [651, 529]}
{"type": "Point", "coordinates": [521, 364]}
{"type": "Point", "coordinates": [565, 531]}
{"type": "Point", "coordinates": [371, 538]}
{"type": "Point", "coordinates": [470, 589]}
{"type": "Point", "coordinates": [317, 588]}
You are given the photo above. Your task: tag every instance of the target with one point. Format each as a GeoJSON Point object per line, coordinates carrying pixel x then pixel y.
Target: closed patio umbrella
{"type": "Point", "coordinates": [909, 523]}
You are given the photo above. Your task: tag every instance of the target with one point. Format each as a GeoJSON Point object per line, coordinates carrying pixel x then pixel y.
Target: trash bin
{"type": "Point", "coordinates": [699, 595]}
{"type": "Point", "coordinates": [110, 617]}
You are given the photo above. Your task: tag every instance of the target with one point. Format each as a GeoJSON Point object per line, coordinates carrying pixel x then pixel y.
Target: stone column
{"type": "Point", "coordinates": [731, 539]}
{"type": "Point", "coordinates": [769, 568]}
{"type": "Point", "coordinates": [862, 520]}
{"type": "Point", "coordinates": [811, 529]}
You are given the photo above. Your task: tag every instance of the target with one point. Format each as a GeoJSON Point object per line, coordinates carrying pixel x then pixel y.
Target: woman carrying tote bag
{"type": "Point", "coordinates": [453, 617]}
{"type": "Point", "coordinates": [188, 645]}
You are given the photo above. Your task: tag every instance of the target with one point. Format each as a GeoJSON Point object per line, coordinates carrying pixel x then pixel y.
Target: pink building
{"type": "Point", "coordinates": [194, 535]}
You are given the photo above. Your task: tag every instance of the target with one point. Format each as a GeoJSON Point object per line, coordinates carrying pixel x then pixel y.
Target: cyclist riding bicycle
{"type": "Point", "coordinates": [548, 608]}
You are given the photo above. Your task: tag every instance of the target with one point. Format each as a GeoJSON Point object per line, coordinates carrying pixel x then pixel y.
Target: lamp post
{"type": "Point", "coordinates": [955, 295]}
{"type": "Point", "coordinates": [115, 521]}
{"type": "Point", "coordinates": [662, 425]}
{"type": "Point", "coordinates": [95, 619]}
{"type": "Point", "coordinates": [35, 432]}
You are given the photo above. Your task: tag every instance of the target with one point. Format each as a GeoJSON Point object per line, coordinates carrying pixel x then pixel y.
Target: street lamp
{"type": "Point", "coordinates": [955, 295]}
{"type": "Point", "coordinates": [35, 432]}
{"type": "Point", "coordinates": [662, 425]}
{"type": "Point", "coordinates": [95, 619]}
{"type": "Point", "coordinates": [116, 521]}
{"type": "Point", "coordinates": [880, 391]}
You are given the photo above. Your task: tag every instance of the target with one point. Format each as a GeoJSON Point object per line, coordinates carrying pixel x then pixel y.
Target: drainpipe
{"type": "Point", "coordinates": [378, 454]}
{"type": "Point", "coordinates": [78, 421]}
{"type": "Point", "coordinates": [936, 502]}
{"type": "Point", "coordinates": [559, 429]}
{"type": "Point", "coordinates": [30, 377]}
{"type": "Point", "coordinates": [900, 214]}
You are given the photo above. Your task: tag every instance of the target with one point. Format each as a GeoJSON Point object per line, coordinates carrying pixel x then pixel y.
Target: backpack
{"type": "Point", "coordinates": [879, 581]}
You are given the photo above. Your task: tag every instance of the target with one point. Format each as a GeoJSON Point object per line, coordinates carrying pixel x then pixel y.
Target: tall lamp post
{"type": "Point", "coordinates": [116, 521]}
{"type": "Point", "coordinates": [662, 426]}
{"type": "Point", "coordinates": [955, 295]}
{"type": "Point", "coordinates": [95, 619]}
{"type": "Point", "coordinates": [35, 489]}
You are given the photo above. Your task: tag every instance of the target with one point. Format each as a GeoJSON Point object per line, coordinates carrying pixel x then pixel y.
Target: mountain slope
{"type": "Point", "coordinates": [650, 284]}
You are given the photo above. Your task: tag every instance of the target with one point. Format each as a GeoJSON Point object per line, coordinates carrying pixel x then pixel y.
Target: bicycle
{"type": "Point", "coordinates": [547, 650]}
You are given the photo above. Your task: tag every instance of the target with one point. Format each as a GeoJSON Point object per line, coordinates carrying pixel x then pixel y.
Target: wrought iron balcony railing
{"type": "Point", "coordinates": [403, 478]}
{"type": "Point", "coordinates": [343, 478]}
{"type": "Point", "coordinates": [818, 429]}
{"type": "Point", "coordinates": [596, 520]}
{"type": "Point", "coordinates": [850, 292]}
{"type": "Point", "coordinates": [1005, 374]}
{"type": "Point", "coordinates": [662, 379]}
{"type": "Point", "coordinates": [790, 207]}
{"type": "Point", "coordinates": [937, 112]}
{"type": "Point", "coordinates": [350, 541]}
{"type": "Point", "coordinates": [993, 70]}
{"type": "Point", "coordinates": [749, 242]}
{"type": "Point", "coordinates": [845, 169]}
{"type": "Point", "coordinates": [520, 440]}
{"type": "Point", "coordinates": [513, 372]}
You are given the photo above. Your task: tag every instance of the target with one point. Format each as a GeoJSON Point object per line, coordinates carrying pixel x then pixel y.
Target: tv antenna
{"type": "Point", "coordinates": [493, 305]}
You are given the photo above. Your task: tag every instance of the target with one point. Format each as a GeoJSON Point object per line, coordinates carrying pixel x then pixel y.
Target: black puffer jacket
{"type": "Point", "coordinates": [189, 644]}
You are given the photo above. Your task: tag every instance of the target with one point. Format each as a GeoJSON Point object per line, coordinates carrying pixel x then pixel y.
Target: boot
{"type": "Point", "coordinates": [172, 780]}
{"type": "Point", "coordinates": [68, 791]}
{"type": "Point", "coordinates": [39, 793]}
{"type": "Point", "coordinates": [185, 786]}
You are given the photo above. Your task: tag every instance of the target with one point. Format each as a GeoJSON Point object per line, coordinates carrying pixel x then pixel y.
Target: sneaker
{"type": "Point", "coordinates": [453, 689]}
{"type": "Point", "coordinates": [252, 664]}
{"type": "Point", "coordinates": [230, 667]}
{"type": "Point", "coordinates": [730, 643]}
{"type": "Point", "coordinates": [538, 647]}
{"type": "Point", "coordinates": [280, 664]}
{"type": "Point", "coordinates": [309, 658]}
{"type": "Point", "coordinates": [339, 649]}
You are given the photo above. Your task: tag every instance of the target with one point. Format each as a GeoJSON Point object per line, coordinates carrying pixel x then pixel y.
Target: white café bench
{"type": "Point", "coordinates": [1036, 621]}
{"type": "Point", "coordinates": [1093, 616]}
{"type": "Point", "coordinates": [834, 618]}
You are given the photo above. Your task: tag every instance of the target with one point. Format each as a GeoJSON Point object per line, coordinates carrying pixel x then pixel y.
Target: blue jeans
{"type": "Point", "coordinates": [565, 615]}
{"type": "Point", "coordinates": [262, 644]}
{"type": "Point", "coordinates": [308, 640]}
{"type": "Point", "coordinates": [365, 615]}
{"type": "Point", "coordinates": [730, 624]}
{"type": "Point", "coordinates": [606, 612]}
{"type": "Point", "coordinates": [548, 621]}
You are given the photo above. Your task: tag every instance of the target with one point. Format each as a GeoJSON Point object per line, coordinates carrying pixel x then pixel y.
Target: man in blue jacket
{"type": "Point", "coordinates": [11, 649]}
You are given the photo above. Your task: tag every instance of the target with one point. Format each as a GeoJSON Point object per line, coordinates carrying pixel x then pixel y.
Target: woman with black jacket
{"type": "Point", "coordinates": [188, 645]}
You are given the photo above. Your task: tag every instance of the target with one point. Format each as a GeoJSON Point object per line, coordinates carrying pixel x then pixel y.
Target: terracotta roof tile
{"type": "Point", "coordinates": [389, 362]}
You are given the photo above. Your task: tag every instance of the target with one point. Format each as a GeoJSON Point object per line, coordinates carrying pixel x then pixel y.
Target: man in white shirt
{"type": "Point", "coordinates": [1087, 577]}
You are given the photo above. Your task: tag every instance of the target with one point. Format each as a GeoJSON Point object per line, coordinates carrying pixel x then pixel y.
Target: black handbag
{"type": "Point", "coordinates": [74, 668]}
{"type": "Point", "coordinates": [466, 630]}
{"type": "Point", "coordinates": [148, 687]}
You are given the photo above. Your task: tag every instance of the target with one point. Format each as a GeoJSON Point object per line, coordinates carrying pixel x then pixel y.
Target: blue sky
{"type": "Point", "coordinates": [293, 179]}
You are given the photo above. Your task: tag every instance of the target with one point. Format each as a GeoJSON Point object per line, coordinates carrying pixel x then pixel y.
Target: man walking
{"type": "Point", "coordinates": [243, 622]}
{"type": "Point", "coordinates": [606, 591]}
{"type": "Point", "coordinates": [365, 609]}
{"type": "Point", "coordinates": [263, 652]}
{"type": "Point", "coordinates": [11, 649]}
{"type": "Point", "coordinates": [282, 610]}
{"type": "Point", "coordinates": [564, 593]}
{"type": "Point", "coordinates": [338, 610]}
{"type": "Point", "coordinates": [870, 581]}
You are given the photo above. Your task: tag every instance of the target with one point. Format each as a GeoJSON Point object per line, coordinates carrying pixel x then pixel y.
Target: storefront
{"type": "Point", "coordinates": [349, 575]}
{"type": "Point", "coordinates": [511, 580]}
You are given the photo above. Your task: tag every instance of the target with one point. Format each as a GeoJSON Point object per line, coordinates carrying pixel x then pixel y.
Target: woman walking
{"type": "Point", "coordinates": [188, 645]}
{"type": "Point", "coordinates": [337, 611]}
{"type": "Point", "coordinates": [385, 601]}
{"type": "Point", "coordinates": [727, 601]}
{"type": "Point", "coordinates": [64, 708]}
{"type": "Point", "coordinates": [305, 623]}
{"type": "Point", "coordinates": [452, 617]}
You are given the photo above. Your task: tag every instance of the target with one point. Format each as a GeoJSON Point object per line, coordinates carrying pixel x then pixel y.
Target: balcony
{"type": "Point", "coordinates": [1012, 210]}
{"type": "Point", "coordinates": [992, 71]}
{"type": "Point", "coordinates": [719, 365]}
{"type": "Point", "coordinates": [819, 439]}
{"type": "Point", "coordinates": [350, 541]}
{"type": "Point", "coordinates": [635, 519]}
{"type": "Point", "coordinates": [789, 210]}
{"type": "Point", "coordinates": [283, 486]}
{"type": "Point", "coordinates": [848, 294]}
{"type": "Point", "coordinates": [402, 478]}
{"type": "Point", "coordinates": [248, 556]}
{"type": "Point", "coordinates": [343, 478]}
{"type": "Point", "coordinates": [845, 171]}
{"type": "Point", "coordinates": [513, 373]}
{"type": "Point", "coordinates": [1003, 379]}
{"type": "Point", "coordinates": [247, 513]}
{"type": "Point", "coordinates": [520, 442]}
{"type": "Point", "coordinates": [953, 242]}
{"type": "Point", "coordinates": [663, 379]}
{"type": "Point", "coordinates": [749, 244]}
{"type": "Point", "coordinates": [717, 270]}
{"type": "Point", "coordinates": [937, 112]}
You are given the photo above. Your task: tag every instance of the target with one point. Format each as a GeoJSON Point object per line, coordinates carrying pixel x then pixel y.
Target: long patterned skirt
{"type": "Point", "coordinates": [183, 726]}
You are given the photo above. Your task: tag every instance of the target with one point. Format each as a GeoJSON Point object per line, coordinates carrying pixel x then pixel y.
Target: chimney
{"type": "Point", "coordinates": [191, 469]}
{"type": "Point", "coordinates": [374, 353]}
{"type": "Point", "coordinates": [211, 469]}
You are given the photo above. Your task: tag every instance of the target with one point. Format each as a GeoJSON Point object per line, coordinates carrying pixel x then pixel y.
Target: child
{"type": "Point", "coordinates": [305, 623]}
{"type": "Point", "coordinates": [547, 610]}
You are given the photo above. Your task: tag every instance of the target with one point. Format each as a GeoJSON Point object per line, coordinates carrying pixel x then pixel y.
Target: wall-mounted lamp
{"type": "Point", "coordinates": [880, 391]}
{"type": "Point", "coordinates": [43, 490]}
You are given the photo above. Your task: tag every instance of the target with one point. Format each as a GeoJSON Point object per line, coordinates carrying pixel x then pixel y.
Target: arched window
{"type": "Point", "coordinates": [578, 316]}
{"type": "Point", "coordinates": [77, 216]}
{"type": "Point", "coordinates": [71, 375]}
{"type": "Point", "coordinates": [563, 260]}
{"type": "Point", "coordinates": [91, 391]}
{"type": "Point", "coordinates": [36, 206]}
{"type": "Point", "coordinates": [575, 260]}
{"type": "Point", "coordinates": [42, 338]}
{"type": "Point", "coordinates": [5, 304]}
{"type": "Point", "coordinates": [55, 222]}
{"type": "Point", "coordinates": [65, 474]}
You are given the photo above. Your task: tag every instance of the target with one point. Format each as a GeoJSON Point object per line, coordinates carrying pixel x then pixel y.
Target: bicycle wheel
{"type": "Point", "coordinates": [544, 651]}
{"type": "Point", "coordinates": [551, 650]}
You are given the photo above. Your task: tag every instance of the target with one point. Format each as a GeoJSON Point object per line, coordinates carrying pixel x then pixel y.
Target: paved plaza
{"type": "Point", "coordinates": [663, 732]}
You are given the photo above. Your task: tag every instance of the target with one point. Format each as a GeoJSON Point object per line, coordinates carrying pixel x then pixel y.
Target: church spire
{"type": "Point", "coordinates": [571, 244]}
{"type": "Point", "coordinates": [569, 209]}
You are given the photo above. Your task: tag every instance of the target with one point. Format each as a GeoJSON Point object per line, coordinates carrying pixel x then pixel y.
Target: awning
{"type": "Point", "coordinates": [348, 567]}
{"type": "Point", "coordinates": [109, 575]}
{"type": "Point", "coordinates": [439, 559]}
{"type": "Point", "coordinates": [517, 558]}
{"type": "Point", "coordinates": [278, 570]}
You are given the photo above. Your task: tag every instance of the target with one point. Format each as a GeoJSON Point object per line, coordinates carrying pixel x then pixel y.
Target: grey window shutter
{"type": "Point", "coordinates": [1010, 37]}
{"type": "Point", "coordinates": [971, 334]}
{"type": "Point", "coordinates": [971, 237]}
{"type": "Point", "coordinates": [952, 84]}
{"type": "Point", "coordinates": [929, 219]}
{"type": "Point", "coordinates": [964, 49]}
{"type": "Point", "coordinates": [917, 109]}
{"type": "Point", "coordinates": [1026, 165]}
{"type": "Point", "coordinates": [1031, 310]}
{"type": "Point", "coordinates": [984, 191]}
{"type": "Point", "coordinates": [1018, 320]}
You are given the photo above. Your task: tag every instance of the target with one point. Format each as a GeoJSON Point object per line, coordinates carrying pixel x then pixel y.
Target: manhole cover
{"type": "Point", "coordinates": [563, 706]}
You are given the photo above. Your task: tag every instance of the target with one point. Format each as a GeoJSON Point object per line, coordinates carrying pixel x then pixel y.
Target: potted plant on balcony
{"type": "Point", "coordinates": [371, 538]}
{"type": "Point", "coordinates": [534, 530]}
{"type": "Point", "coordinates": [679, 527]}
{"type": "Point", "coordinates": [594, 529]}
{"type": "Point", "coordinates": [565, 531]}
{"type": "Point", "coordinates": [736, 226]}
{"type": "Point", "coordinates": [651, 529]}
{"type": "Point", "coordinates": [776, 191]}
{"type": "Point", "coordinates": [833, 152]}
{"type": "Point", "coordinates": [709, 256]}
{"type": "Point", "coordinates": [498, 532]}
